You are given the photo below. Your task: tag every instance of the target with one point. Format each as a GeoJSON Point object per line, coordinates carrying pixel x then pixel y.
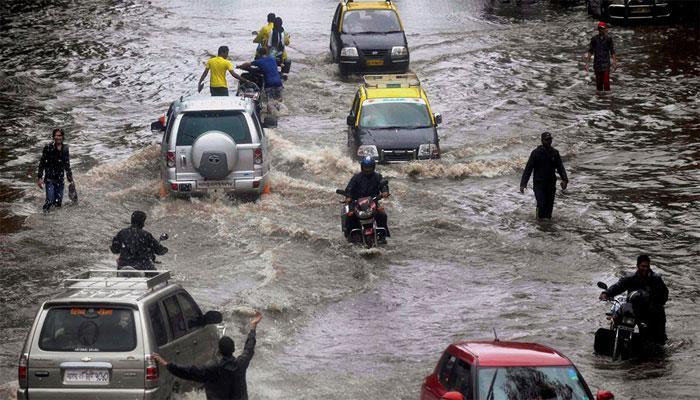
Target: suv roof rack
{"type": "Point", "coordinates": [391, 81]}
{"type": "Point", "coordinates": [117, 280]}
{"type": "Point", "coordinates": [351, 1]}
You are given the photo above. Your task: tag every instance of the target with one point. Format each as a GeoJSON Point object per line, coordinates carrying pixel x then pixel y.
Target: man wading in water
{"type": "Point", "coordinates": [601, 48]}
{"type": "Point", "coordinates": [218, 66]}
{"type": "Point", "coordinates": [54, 161]}
{"type": "Point", "coordinates": [544, 161]}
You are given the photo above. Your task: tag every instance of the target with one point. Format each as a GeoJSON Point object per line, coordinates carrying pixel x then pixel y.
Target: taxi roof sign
{"type": "Point", "coordinates": [391, 81]}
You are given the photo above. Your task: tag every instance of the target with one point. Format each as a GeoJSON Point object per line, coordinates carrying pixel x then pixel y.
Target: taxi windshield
{"type": "Point", "coordinates": [530, 383]}
{"type": "Point", "coordinates": [371, 21]}
{"type": "Point", "coordinates": [382, 114]}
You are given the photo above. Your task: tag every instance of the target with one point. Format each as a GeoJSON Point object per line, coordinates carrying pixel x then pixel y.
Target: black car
{"type": "Point", "coordinates": [368, 37]}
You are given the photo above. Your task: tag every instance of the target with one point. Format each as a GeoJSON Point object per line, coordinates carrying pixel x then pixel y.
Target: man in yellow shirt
{"type": "Point", "coordinates": [218, 66]}
{"type": "Point", "coordinates": [263, 35]}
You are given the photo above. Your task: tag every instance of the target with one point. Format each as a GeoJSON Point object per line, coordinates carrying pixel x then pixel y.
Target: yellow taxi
{"type": "Point", "coordinates": [391, 120]}
{"type": "Point", "coordinates": [368, 36]}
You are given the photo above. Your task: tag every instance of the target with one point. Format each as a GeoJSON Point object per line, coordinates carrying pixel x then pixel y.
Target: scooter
{"type": "Point", "coordinates": [255, 90]}
{"type": "Point", "coordinates": [364, 209]}
{"type": "Point", "coordinates": [163, 237]}
{"type": "Point", "coordinates": [621, 340]}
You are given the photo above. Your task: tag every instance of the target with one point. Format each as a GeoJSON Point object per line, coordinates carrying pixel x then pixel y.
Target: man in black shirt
{"type": "Point", "coordinates": [544, 161]}
{"type": "Point", "coordinates": [653, 299]}
{"type": "Point", "coordinates": [225, 378]}
{"type": "Point", "coordinates": [366, 183]}
{"type": "Point", "coordinates": [55, 159]}
{"type": "Point", "coordinates": [601, 49]}
{"type": "Point", "coordinates": [136, 247]}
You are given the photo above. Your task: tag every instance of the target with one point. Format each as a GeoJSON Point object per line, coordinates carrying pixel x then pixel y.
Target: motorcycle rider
{"type": "Point", "coordinates": [649, 304]}
{"type": "Point", "coordinates": [367, 183]}
{"type": "Point", "coordinates": [136, 247]}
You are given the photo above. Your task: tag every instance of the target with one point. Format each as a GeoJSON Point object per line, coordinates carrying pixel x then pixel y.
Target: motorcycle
{"type": "Point", "coordinates": [365, 210]}
{"type": "Point", "coordinates": [163, 237]}
{"type": "Point", "coordinates": [255, 90]}
{"type": "Point", "coordinates": [624, 337]}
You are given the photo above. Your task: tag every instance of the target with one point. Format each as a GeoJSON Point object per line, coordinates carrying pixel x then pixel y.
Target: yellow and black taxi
{"type": "Point", "coordinates": [391, 120]}
{"type": "Point", "coordinates": [368, 36]}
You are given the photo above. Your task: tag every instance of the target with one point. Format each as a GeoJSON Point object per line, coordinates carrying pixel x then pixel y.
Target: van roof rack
{"type": "Point", "coordinates": [391, 81]}
{"type": "Point", "coordinates": [117, 280]}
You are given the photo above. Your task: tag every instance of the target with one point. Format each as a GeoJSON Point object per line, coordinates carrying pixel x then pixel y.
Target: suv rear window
{"type": "Point", "coordinates": [88, 329]}
{"type": "Point", "coordinates": [194, 124]}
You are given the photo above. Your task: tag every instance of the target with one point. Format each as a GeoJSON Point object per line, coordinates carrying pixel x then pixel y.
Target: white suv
{"type": "Point", "coordinates": [213, 144]}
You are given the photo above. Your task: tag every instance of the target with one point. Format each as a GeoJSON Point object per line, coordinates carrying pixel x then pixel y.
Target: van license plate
{"type": "Point", "coordinates": [86, 377]}
{"type": "Point", "coordinates": [375, 63]}
{"type": "Point", "coordinates": [216, 184]}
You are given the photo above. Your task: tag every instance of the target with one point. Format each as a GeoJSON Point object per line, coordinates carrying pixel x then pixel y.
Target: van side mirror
{"type": "Point", "coordinates": [157, 126]}
{"type": "Point", "coordinates": [602, 285]}
{"type": "Point", "coordinates": [604, 395]}
{"type": "Point", "coordinates": [212, 317]}
{"type": "Point", "coordinates": [452, 396]}
{"type": "Point", "coordinates": [350, 120]}
{"type": "Point", "coordinates": [438, 118]}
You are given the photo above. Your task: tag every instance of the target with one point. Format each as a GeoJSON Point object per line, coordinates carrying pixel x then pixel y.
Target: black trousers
{"type": "Point", "coordinates": [218, 91]}
{"type": "Point", "coordinates": [544, 194]}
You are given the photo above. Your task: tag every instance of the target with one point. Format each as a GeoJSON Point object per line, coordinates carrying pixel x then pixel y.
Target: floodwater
{"type": "Point", "coordinates": [466, 254]}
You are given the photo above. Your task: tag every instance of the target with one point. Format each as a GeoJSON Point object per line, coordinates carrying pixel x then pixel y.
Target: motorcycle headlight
{"type": "Point", "coordinates": [364, 214]}
{"type": "Point", "coordinates": [367, 150]}
{"type": "Point", "coordinates": [628, 321]}
{"type": "Point", "coordinates": [348, 52]}
{"type": "Point", "coordinates": [428, 150]}
{"type": "Point", "coordinates": [399, 51]}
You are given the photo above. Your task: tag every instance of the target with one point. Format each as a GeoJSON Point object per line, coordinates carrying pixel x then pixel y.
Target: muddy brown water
{"type": "Point", "coordinates": [466, 254]}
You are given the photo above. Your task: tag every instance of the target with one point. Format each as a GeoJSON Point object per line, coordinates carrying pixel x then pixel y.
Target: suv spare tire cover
{"type": "Point", "coordinates": [214, 155]}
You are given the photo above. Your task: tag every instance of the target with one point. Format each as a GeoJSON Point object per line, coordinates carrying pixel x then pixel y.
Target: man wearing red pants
{"type": "Point", "coordinates": [602, 49]}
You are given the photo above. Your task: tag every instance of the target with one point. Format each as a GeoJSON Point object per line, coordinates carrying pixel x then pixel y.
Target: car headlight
{"type": "Point", "coordinates": [428, 150]}
{"type": "Point", "coordinates": [399, 51]}
{"type": "Point", "coordinates": [349, 52]}
{"type": "Point", "coordinates": [628, 321]}
{"type": "Point", "coordinates": [367, 150]}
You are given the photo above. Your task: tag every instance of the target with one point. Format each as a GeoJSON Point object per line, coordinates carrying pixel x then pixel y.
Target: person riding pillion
{"type": "Point", "coordinates": [273, 81]}
{"type": "Point", "coordinates": [545, 162]}
{"type": "Point", "coordinates": [649, 305]}
{"type": "Point", "coordinates": [136, 247]}
{"type": "Point", "coordinates": [54, 162]}
{"type": "Point", "coordinates": [263, 34]}
{"type": "Point", "coordinates": [277, 44]}
{"type": "Point", "coordinates": [367, 183]}
{"type": "Point", "coordinates": [225, 378]}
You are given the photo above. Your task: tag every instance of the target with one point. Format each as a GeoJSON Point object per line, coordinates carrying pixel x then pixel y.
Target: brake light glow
{"type": "Point", "coordinates": [152, 373]}
{"type": "Point", "coordinates": [173, 186]}
{"type": "Point", "coordinates": [22, 369]}
{"type": "Point", "coordinates": [258, 156]}
{"type": "Point", "coordinates": [171, 159]}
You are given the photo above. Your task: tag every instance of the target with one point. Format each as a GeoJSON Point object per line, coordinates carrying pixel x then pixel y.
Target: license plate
{"type": "Point", "coordinates": [86, 377]}
{"type": "Point", "coordinates": [369, 231]}
{"type": "Point", "coordinates": [216, 184]}
{"type": "Point", "coordinates": [640, 10]}
{"type": "Point", "coordinates": [375, 63]}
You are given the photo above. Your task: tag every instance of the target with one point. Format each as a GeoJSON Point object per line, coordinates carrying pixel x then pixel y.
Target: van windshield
{"type": "Point", "coordinates": [85, 329]}
{"type": "Point", "coordinates": [371, 21]}
{"type": "Point", "coordinates": [194, 124]}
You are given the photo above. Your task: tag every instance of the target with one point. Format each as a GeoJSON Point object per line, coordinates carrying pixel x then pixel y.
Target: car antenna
{"type": "Point", "coordinates": [495, 335]}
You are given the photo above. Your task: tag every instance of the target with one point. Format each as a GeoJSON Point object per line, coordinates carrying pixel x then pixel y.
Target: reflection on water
{"type": "Point", "coordinates": [466, 255]}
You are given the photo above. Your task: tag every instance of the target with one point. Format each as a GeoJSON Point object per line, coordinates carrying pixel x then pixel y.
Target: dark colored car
{"type": "Point", "coordinates": [391, 120]}
{"type": "Point", "coordinates": [368, 37]}
{"type": "Point", "coordinates": [629, 10]}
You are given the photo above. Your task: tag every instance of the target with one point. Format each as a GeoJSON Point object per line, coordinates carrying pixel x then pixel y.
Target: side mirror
{"type": "Point", "coordinates": [604, 395]}
{"type": "Point", "coordinates": [602, 285]}
{"type": "Point", "coordinates": [438, 118]}
{"type": "Point", "coordinates": [164, 236]}
{"type": "Point", "coordinates": [452, 396]}
{"type": "Point", "coordinates": [350, 120]}
{"type": "Point", "coordinates": [340, 192]}
{"type": "Point", "coordinates": [212, 317]}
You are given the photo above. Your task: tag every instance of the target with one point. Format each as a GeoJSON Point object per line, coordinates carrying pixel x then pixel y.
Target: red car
{"type": "Point", "coordinates": [500, 370]}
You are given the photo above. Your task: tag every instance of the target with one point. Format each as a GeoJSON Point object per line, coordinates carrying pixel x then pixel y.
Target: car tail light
{"type": "Point", "coordinates": [173, 186]}
{"type": "Point", "coordinates": [152, 373]}
{"type": "Point", "coordinates": [256, 184]}
{"type": "Point", "coordinates": [171, 159]}
{"type": "Point", "coordinates": [258, 156]}
{"type": "Point", "coordinates": [22, 369]}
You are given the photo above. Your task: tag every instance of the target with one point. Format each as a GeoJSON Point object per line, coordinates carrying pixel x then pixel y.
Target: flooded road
{"type": "Point", "coordinates": [466, 253]}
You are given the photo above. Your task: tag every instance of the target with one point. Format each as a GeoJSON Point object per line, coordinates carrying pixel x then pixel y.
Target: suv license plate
{"type": "Point", "coordinates": [86, 376]}
{"type": "Point", "coordinates": [375, 63]}
{"type": "Point", "coordinates": [216, 184]}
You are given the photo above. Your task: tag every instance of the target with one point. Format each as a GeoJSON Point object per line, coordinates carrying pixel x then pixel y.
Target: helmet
{"type": "Point", "coordinates": [368, 161]}
{"type": "Point", "coordinates": [138, 218]}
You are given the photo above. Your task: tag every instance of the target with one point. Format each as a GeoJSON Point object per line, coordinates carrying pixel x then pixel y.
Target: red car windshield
{"type": "Point", "coordinates": [532, 383]}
